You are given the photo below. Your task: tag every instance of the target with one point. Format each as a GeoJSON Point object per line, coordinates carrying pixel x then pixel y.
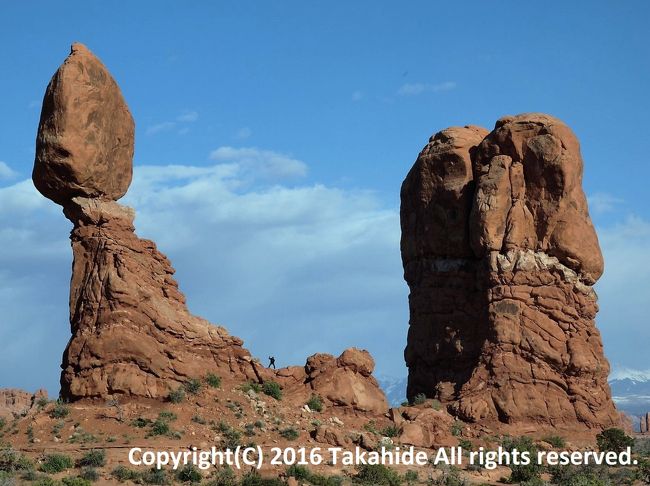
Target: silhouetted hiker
{"type": "Point", "coordinates": [271, 362]}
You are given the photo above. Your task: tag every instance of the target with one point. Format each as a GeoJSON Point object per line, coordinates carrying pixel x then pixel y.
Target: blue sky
{"type": "Point", "coordinates": [271, 141]}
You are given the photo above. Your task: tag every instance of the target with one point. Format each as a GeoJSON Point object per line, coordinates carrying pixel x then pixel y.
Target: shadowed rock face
{"type": "Point", "coordinates": [500, 260]}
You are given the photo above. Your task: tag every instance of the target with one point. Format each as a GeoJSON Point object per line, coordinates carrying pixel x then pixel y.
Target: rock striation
{"type": "Point", "coordinates": [132, 333]}
{"type": "Point", "coordinates": [500, 256]}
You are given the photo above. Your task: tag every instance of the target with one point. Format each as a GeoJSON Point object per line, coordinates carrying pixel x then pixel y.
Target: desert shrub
{"type": "Point", "coordinates": [93, 458]}
{"type": "Point", "coordinates": [456, 429]}
{"type": "Point", "coordinates": [167, 415]}
{"type": "Point", "coordinates": [230, 436]}
{"type": "Point", "coordinates": [302, 473]}
{"type": "Point", "coordinates": [521, 472]}
{"type": "Point", "coordinates": [56, 463]}
{"type": "Point", "coordinates": [41, 402]}
{"type": "Point", "coordinates": [11, 460]}
{"type": "Point", "coordinates": [154, 476]}
{"type": "Point", "coordinates": [614, 440]}
{"type": "Point", "coordinates": [641, 447]}
{"type": "Point", "coordinates": [250, 385]}
{"type": "Point", "coordinates": [315, 403]}
{"type": "Point", "coordinates": [213, 380]}
{"type": "Point", "coordinates": [46, 481]}
{"type": "Point", "coordinates": [3, 423]}
{"type": "Point", "coordinates": [76, 481]}
{"type": "Point", "coordinates": [272, 389]}
{"type": "Point", "coordinates": [555, 440]}
{"type": "Point", "coordinates": [449, 477]}
{"type": "Point", "coordinates": [199, 420]}
{"type": "Point", "coordinates": [122, 474]}
{"type": "Point", "coordinates": [376, 475]}
{"type": "Point", "coordinates": [289, 433]}
{"type": "Point", "coordinates": [189, 474]}
{"type": "Point", "coordinates": [60, 410]}
{"type": "Point", "coordinates": [419, 399]}
{"type": "Point", "coordinates": [466, 444]}
{"type": "Point", "coordinates": [89, 473]}
{"type": "Point", "coordinates": [176, 396]}
{"type": "Point", "coordinates": [193, 386]}
{"type": "Point", "coordinates": [435, 404]}
{"type": "Point", "coordinates": [253, 478]}
{"type": "Point", "coordinates": [588, 475]}
{"type": "Point", "coordinates": [390, 431]}
{"type": "Point", "coordinates": [371, 427]}
{"type": "Point", "coordinates": [643, 470]}
{"type": "Point", "coordinates": [140, 422]}
{"type": "Point", "coordinates": [411, 477]}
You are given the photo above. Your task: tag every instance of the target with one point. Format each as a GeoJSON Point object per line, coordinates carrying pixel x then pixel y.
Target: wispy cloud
{"type": "Point", "coordinates": [179, 122]}
{"type": "Point", "coordinates": [6, 172]}
{"type": "Point", "coordinates": [160, 127]}
{"type": "Point", "coordinates": [243, 133]}
{"type": "Point", "coordinates": [266, 164]}
{"type": "Point", "coordinates": [414, 89]}
{"type": "Point", "coordinates": [188, 117]}
{"type": "Point", "coordinates": [603, 203]}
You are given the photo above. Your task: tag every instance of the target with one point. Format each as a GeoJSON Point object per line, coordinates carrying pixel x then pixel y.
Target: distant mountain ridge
{"type": "Point", "coordinates": [630, 390]}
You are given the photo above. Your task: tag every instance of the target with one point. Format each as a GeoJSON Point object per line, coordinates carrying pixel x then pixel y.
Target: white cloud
{"type": "Point", "coordinates": [414, 89]}
{"type": "Point", "coordinates": [160, 127]}
{"type": "Point", "coordinates": [265, 164]}
{"type": "Point", "coordinates": [166, 126]}
{"type": "Point", "coordinates": [6, 172]}
{"type": "Point", "coordinates": [292, 270]}
{"type": "Point", "coordinates": [188, 117]}
{"type": "Point", "coordinates": [601, 202]}
{"type": "Point", "coordinates": [243, 133]}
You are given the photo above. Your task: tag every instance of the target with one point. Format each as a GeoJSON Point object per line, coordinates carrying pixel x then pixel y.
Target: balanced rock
{"type": "Point", "coordinates": [132, 333]}
{"type": "Point", "coordinates": [500, 261]}
{"type": "Point", "coordinates": [84, 145]}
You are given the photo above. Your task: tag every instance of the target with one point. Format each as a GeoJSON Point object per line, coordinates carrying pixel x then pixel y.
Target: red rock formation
{"type": "Point", "coordinates": [132, 333]}
{"type": "Point", "coordinates": [502, 309]}
{"type": "Point", "coordinates": [645, 423]}
{"type": "Point", "coordinates": [17, 403]}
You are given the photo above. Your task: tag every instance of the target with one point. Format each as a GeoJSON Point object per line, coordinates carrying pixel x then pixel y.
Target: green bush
{"type": "Point", "coordinates": [419, 399]}
{"type": "Point", "coordinates": [253, 478]}
{"type": "Point", "coordinates": [315, 403]}
{"type": "Point", "coordinates": [93, 458]}
{"type": "Point", "coordinates": [189, 474]}
{"type": "Point", "coordinates": [56, 463]}
{"type": "Point", "coordinates": [272, 389]}
{"type": "Point", "coordinates": [411, 477]}
{"type": "Point", "coordinates": [230, 436]}
{"type": "Point", "coordinates": [60, 410]}
{"type": "Point", "coordinates": [75, 481]}
{"type": "Point", "coordinates": [449, 477]}
{"type": "Point", "coordinates": [193, 386]}
{"type": "Point", "coordinates": [555, 440]}
{"type": "Point", "coordinates": [377, 475]}
{"type": "Point", "coordinates": [520, 472]}
{"type": "Point", "coordinates": [250, 385]}
{"type": "Point", "coordinates": [290, 433]}
{"type": "Point", "coordinates": [159, 427]}
{"type": "Point", "coordinates": [615, 440]}
{"type": "Point", "coordinates": [390, 431]}
{"type": "Point", "coordinates": [140, 422]}
{"type": "Point", "coordinates": [154, 476]}
{"type": "Point", "coordinates": [177, 396]}
{"type": "Point", "coordinates": [11, 460]}
{"type": "Point", "coordinates": [301, 473]}
{"type": "Point", "coordinates": [46, 481]}
{"type": "Point", "coordinates": [588, 475]}
{"type": "Point", "coordinates": [89, 473]}
{"type": "Point", "coordinates": [643, 471]}
{"type": "Point", "coordinates": [3, 423]}
{"type": "Point", "coordinates": [122, 474]}
{"type": "Point", "coordinates": [456, 429]}
{"type": "Point", "coordinates": [435, 404]}
{"type": "Point", "coordinates": [213, 380]}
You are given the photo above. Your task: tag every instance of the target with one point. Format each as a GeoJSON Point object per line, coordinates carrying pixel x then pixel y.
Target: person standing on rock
{"type": "Point", "coordinates": [272, 362]}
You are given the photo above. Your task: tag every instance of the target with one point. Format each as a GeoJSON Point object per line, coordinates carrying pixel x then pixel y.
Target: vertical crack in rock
{"type": "Point", "coordinates": [500, 256]}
